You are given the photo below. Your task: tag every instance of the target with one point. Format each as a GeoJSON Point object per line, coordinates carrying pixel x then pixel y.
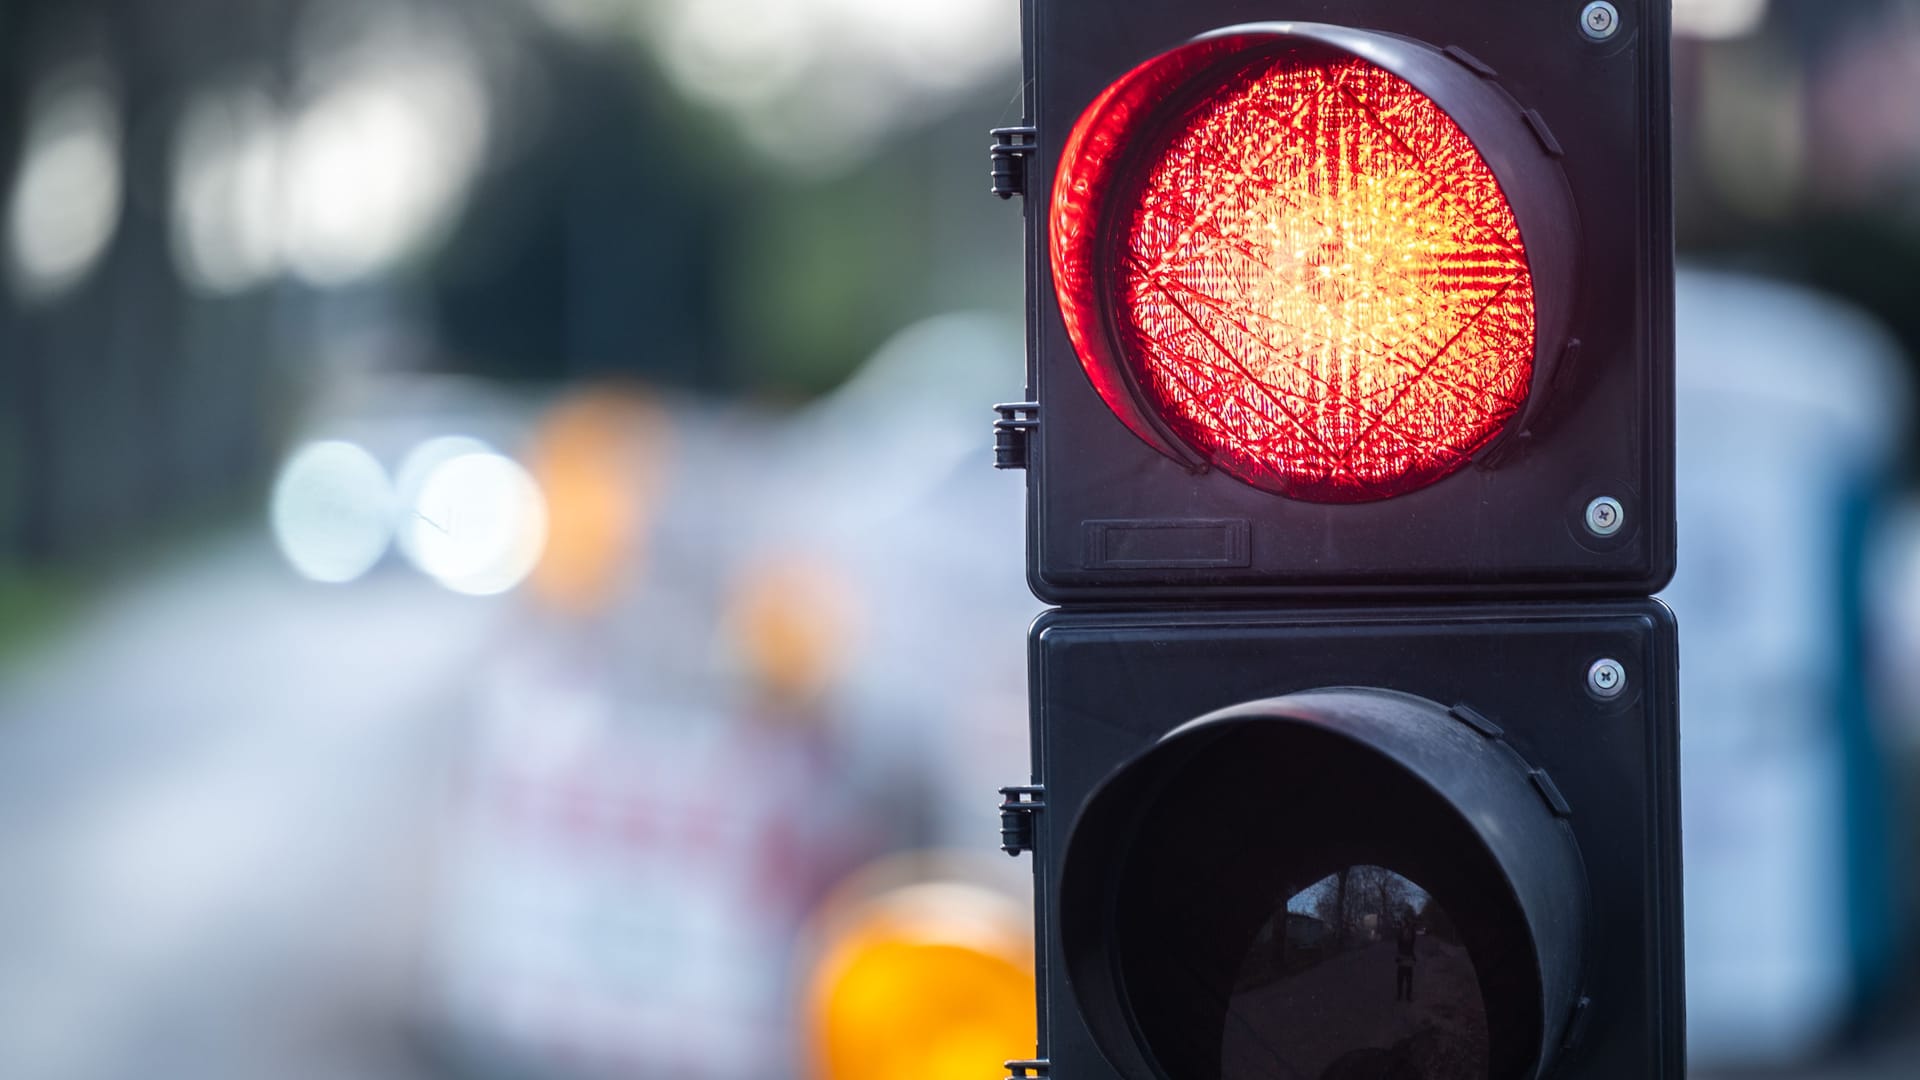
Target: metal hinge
{"type": "Point", "coordinates": [1017, 807]}
{"type": "Point", "coordinates": [1010, 433]}
{"type": "Point", "coordinates": [1011, 148]}
{"type": "Point", "coordinates": [1023, 1070]}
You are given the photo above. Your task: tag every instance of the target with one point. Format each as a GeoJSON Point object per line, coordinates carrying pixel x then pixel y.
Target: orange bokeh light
{"type": "Point", "coordinates": [1317, 283]}
{"type": "Point", "coordinates": [932, 981]}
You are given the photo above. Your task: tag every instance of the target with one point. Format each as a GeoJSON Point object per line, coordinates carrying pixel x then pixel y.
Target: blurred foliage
{"type": "Point", "coordinates": [32, 604]}
{"type": "Point", "coordinates": [638, 236]}
{"type": "Point", "coordinates": [821, 281]}
{"type": "Point", "coordinates": [828, 269]}
{"type": "Point", "coordinates": [633, 241]}
{"type": "Point", "coordinates": [594, 249]}
{"type": "Point", "coordinates": [616, 229]}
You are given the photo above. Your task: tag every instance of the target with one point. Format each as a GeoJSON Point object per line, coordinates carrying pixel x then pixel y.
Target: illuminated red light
{"type": "Point", "coordinates": [1308, 274]}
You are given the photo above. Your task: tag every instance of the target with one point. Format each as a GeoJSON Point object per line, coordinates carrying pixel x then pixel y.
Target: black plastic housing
{"type": "Point", "coordinates": [1113, 518]}
{"type": "Point", "coordinates": [1110, 688]}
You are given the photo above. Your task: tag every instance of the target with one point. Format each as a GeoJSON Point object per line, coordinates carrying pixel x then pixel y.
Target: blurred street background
{"type": "Point", "coordinates": [499, 554]}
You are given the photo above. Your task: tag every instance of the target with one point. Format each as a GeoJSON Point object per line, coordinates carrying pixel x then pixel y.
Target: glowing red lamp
{"type": "Point", "coordinates": [1279, 257]}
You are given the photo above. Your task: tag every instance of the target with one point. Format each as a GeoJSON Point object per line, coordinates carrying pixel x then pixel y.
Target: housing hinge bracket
{"type": "Point", "coordinates": [1018, 805]}
{"type": "Point", "coordinates": [1011, 148]}
{"type": "Point", "coordinates": [1012, 433]}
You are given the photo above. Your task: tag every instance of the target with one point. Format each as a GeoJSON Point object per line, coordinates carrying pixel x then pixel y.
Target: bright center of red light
{"type": "Point", "coordinates": [1321, 287]}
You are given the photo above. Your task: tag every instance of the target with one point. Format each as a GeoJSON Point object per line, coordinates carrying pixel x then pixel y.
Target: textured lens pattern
{"type": "Point", "coordinates": [1321, 287]}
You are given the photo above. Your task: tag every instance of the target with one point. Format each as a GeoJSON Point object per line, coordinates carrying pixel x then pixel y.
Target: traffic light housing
{"type": "Point", "coordinates": [1544, 469]}
{"type": "Point", "coordinates": [1201, 768]}
{"type": "Point", "coordinates": [1349, 438]}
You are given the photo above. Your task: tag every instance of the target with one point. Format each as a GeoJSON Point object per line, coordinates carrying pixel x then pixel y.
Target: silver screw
{"type": "Point", "coordinates": [1600, 20]}
{"type": "Point", "coordinates": [1605, 515]}
{"type": "Point", "coordinates": [1607, 679]}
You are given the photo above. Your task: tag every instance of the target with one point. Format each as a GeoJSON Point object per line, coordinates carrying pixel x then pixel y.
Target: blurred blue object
{"type": "Point", "coordinates": [1792, 414]}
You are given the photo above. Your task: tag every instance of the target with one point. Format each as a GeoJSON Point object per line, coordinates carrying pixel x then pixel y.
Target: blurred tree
{"type": "Point", "coordinates": [614, 229]}
{"type": "Point", "coordinates": [125, 404]}
{"type": "Point", "coordinates": [597, 249]}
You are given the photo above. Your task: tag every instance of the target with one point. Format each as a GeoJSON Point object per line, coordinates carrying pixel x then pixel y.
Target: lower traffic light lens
{"type": "Point", "coordinates": [1234, 901]}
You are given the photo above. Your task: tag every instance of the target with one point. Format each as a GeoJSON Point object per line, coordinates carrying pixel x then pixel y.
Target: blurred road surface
{"type": "Point", "coordinates": [216, 800]}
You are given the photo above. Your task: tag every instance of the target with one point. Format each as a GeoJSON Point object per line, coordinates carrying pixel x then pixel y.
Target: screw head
{"type": "Point", "coordinates": [1600, 20]}
{"type": "Point", "coordinates": [1605, 516]}
{"type": "Point", "coordinates": [1607, 679]}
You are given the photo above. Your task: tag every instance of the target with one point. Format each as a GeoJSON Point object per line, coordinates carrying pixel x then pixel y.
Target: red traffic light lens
{"type": "Point", "coordinates": [1298, 266]}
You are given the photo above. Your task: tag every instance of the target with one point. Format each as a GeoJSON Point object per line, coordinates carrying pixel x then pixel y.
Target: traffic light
{"type": "Point", "coordinates": [1382, 307]}
{"type": "Point", "coordinates": [1349, 454]}
{"type": "Point", "coordinates": [1501, 776]}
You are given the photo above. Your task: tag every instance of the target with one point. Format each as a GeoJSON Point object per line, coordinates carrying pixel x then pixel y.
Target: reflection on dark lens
{"type": "Point", "coordinates": [1358, 976]}
{"type": "Point", "coordinates": [1236, 965]}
